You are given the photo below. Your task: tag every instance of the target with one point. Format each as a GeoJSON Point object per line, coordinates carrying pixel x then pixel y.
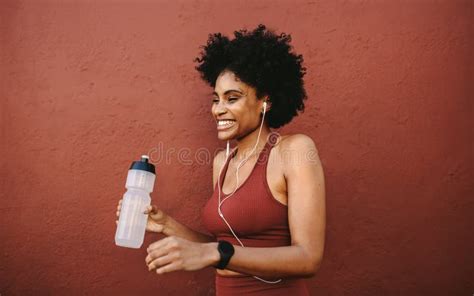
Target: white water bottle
{"type": "Point", "coordinates": [132, 221]}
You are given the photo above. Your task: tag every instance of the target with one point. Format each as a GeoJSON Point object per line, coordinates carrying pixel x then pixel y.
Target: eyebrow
{"type": "Point", "coordinates": [229, 91]}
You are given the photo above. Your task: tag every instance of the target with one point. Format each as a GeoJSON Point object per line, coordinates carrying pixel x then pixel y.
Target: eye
{"type": "Point", "coordinates": [232, 99]}
{"type": "Point", "coordinates": [215, 100]}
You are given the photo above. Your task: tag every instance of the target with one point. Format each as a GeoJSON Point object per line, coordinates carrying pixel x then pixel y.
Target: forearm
{"type": "Point", "coordinates": [270, 262]}
{"type": "Point", "coordinates": [174, 228]}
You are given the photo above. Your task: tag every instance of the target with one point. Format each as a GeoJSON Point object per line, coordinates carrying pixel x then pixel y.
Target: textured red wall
{"type": "Point", "coordinates": [89, 86]}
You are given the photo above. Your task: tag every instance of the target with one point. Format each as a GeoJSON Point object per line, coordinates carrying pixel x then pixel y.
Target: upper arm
{"type": "Point", "coordinates": [216, 166]}
{"type": "Point", "coordinates": [306, 195]}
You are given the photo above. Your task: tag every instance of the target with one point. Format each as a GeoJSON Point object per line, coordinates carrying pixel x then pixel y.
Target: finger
{"type": "Point", "coordinates": [156, 254]}
{"type": "Point", "coordinates": [169, 268]}
{"type": "Point", "coordinates": [159, 262]}
{"type": "Point", "coordinates": [116, 222]}
{"type": "Point", "coordinates": [161, 243]}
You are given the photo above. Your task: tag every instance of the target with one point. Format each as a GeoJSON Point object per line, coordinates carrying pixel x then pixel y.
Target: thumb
{"type": "Point", "coordinates": [154, 209]}
{"type": "Point", "coordinates": [151, 210]}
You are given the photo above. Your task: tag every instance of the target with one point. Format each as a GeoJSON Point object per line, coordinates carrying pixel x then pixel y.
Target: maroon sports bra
{"type": "Point", "coordinates": [257, 218]}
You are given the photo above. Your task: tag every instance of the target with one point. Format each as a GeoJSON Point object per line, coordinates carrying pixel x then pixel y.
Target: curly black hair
{"type": "Point", "coordinates": [263, 60]}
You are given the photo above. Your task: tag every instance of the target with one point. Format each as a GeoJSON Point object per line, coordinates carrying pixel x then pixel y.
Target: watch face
{"type": "Point", "coordinates": [226, 250]}
{"type": "Point", "coordinates": [226, 247]}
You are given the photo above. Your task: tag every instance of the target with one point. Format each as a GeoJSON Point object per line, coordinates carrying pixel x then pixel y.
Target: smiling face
{"type": "Point", "coordinates": [235, 107]}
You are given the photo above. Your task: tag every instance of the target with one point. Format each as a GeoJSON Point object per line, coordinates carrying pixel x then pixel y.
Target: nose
{"type": "Point", "coordinates": [220, 108]}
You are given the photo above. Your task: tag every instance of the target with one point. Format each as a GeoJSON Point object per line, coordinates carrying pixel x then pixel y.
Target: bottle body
{"type": "Point", "coordinates": [132, 221]}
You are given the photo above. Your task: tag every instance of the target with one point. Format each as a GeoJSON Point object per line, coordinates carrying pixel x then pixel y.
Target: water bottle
{"type": "Point", "coordinates": [132, 221]}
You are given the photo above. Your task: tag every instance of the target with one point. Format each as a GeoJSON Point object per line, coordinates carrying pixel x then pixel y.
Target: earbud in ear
{"type": "Point", "coordinates": [264, 108]}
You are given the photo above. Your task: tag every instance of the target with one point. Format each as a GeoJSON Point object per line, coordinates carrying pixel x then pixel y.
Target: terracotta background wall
{"type": "Point", "coordinates": [89, 86]}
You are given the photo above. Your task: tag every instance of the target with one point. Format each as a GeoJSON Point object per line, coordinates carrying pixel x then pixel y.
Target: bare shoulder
{"type": "Point", "coordinates": [296, 150]}
{"type": "Point", "coordinates": [219, 158]}
{"type": "Point", "coordinates": [217, 163]}
{"type": "Point", "coordinates": [297, 143]}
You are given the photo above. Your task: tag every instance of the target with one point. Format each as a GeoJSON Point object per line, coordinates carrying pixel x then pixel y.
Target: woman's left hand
{"type": "Point", "coordinates": [174, 253]}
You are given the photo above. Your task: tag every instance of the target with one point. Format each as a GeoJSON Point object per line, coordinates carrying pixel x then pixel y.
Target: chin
{"type": "Point", "coordinates": [224, 137]}
{"type": "Point", "coordinates": [227, 135]}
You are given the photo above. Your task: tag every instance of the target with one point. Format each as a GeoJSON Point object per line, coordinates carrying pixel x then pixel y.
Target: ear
{"type": "Point", "coordinates": [268, 103]}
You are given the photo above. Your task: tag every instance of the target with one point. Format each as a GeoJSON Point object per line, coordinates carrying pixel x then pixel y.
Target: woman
{"type": "Point", "coordinates": [267, 212]}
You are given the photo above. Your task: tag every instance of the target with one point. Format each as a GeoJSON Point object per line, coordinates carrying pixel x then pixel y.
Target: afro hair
{"type": "Point", "coordinates": [263, 60]}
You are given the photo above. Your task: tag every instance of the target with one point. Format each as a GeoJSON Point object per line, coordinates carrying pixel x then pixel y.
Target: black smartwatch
{"type": "Point", "coordinates": [226, 250]}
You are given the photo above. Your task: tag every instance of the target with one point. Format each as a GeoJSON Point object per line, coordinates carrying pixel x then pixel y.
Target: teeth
{"type": "Point", "coordinates": [224, 122]}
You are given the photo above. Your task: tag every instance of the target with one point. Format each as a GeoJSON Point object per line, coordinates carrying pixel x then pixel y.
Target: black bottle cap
{"type": "Point", "coordinates": [143, 165]}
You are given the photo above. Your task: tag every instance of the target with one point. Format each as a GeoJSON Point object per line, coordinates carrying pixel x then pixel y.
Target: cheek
{"type": "Point", "coordinates": [248, 118]}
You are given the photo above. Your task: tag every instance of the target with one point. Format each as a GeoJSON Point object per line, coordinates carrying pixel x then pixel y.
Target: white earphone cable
{"type": "Point", "coordinates": [237, 186]}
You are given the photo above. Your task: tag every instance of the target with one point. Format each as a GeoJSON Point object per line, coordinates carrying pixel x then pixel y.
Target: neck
{"type": "Point", "coordinates": [246, 144]}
